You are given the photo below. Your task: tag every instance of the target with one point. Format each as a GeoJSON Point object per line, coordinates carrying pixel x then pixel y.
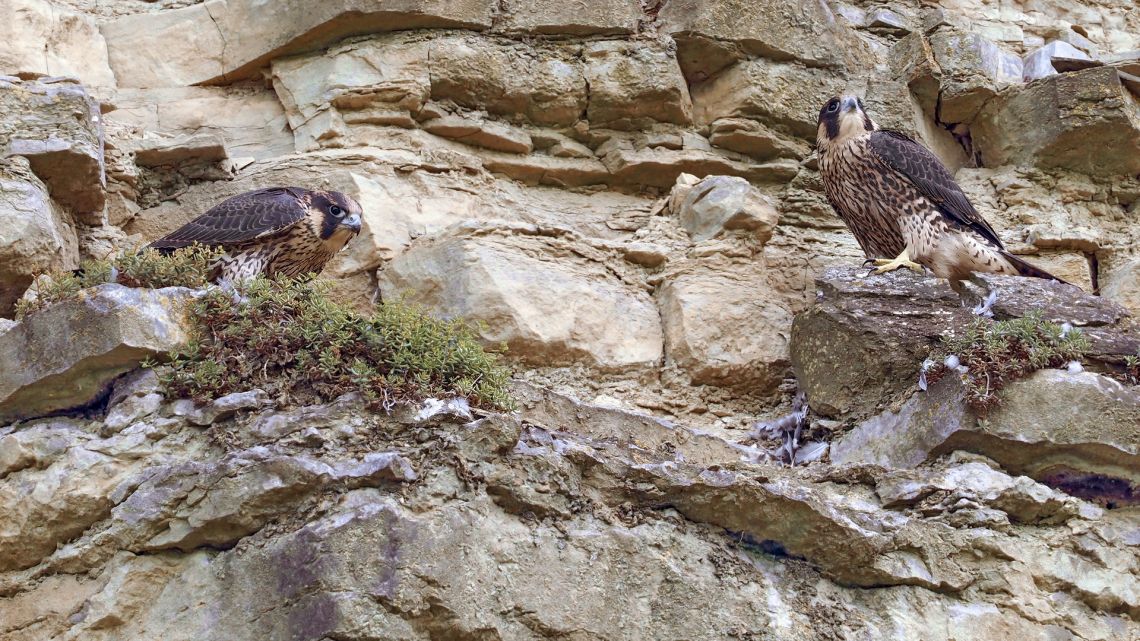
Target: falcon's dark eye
{"type": "Point", "coordinates": [833, 106]}
{"type": "Point", "coordinates": [336, 211]}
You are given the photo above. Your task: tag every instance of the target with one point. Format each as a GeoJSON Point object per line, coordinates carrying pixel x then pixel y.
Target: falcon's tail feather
{"type": "Point", "coordinates": [1026, 269]}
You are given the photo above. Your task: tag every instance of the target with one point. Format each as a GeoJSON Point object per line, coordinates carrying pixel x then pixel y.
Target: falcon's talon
{"type": "Point", "coordinates": [884, 265]}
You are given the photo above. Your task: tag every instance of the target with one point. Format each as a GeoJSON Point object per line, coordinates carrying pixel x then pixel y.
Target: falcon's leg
{"type": "Point", "coordinates": [985, 306]}
{"type": "Point", "coordinates": [882, 265]}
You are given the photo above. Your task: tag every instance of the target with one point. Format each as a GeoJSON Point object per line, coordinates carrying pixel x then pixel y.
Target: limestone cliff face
{"type": "Point", "coordinates": [625, 192]}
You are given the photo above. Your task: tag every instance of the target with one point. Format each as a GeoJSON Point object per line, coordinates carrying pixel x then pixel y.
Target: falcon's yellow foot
{"type": "Point", "coordinates": [883, 265]}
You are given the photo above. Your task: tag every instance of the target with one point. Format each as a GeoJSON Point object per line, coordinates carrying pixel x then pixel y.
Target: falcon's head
{"type": "Point", "coordinates": [842, 117]}
{"type": "Point", "coordinates": [340, 214]}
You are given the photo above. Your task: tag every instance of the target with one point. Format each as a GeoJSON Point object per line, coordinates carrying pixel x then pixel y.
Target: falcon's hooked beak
{"type": "Point", "coordinates": [849, 104]}
{"type": "Point", "coordinates": [352, 223]}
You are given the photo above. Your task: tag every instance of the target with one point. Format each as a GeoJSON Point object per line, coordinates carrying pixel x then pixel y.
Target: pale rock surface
{"type": "Point", "coordinates": [747, 346]}
{"type": "Point", "coordinates": [631, 83]}
{"type": "Point", "coordinates": [974, 69]}
{"type": "Point", "coordinates": [35, 235]}
{"type": "Point", "coordinates": [250, 120]}
{"type": "Point", "coordinates": [1039, 64]}
{"type": "Point", "coordinates": [533, 294]}
{"type": "Point", "coordinates": [541, 81]}
{"type": "Point", "coordinates": [754, 139]}
{"type": "Point", "coordinates": [56, 125]}
{"type": "Point", "coordinates": [784, 96]}
{"type": "Point", "coordinates": [156, 151]}
{"type": "Point", "coordinates": [481, 133]}
{"type": "Point", "coordinates": [44, 39]}
{"type": "Point", "coordinates": [598, 17]}
{"type": "Point", "coordinates": [1122, 284]}
{"type": "Point", "coordinates": [725, 203]}
{"type": "Point", "coordinates": [707, 32]}
{"type": "Point", "coordinates": [230, 40]}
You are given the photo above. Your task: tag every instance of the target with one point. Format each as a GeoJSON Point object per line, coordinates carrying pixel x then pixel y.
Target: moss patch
{"type": "Point", "coordinates": [996, 353]}
{"type": "Point", "coordinates": [292, 340]}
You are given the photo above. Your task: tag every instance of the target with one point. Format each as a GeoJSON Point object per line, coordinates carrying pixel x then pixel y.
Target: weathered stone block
{"type": "Point", "coordinates": [481, 133]}
{"type": "Point", "coordinates": [56, 125]}
{"type": "Point", "coordinates": [746, 348]}
{"type": "Point", "coordinates": [220, 41]}
{"type": "Point", "coordinates": [973, 69]}
{"type": "Point", "coordinates": [43, 38]}
{"type": "Point", "coordinates": [720, 203]}
{"type": "Point", "coordinates": [782, 30]}
{"type": "Point", "coordinates": [541, 82]}
{"type": "Point", "coordinates": [1039, 63]}
{"type": "Point", "coordinates": [549, 306]}
{"type": "Point", "coordinates": [66, 355]}
{"type": "Point", "coordinates": [1085, 121]}
{"type": "Point", "coordinates": [35, 237]}
{"type": "Point", "coordinates": [597, 17]}
{"type": "Point", "coordinates": [633, 83]}
{"type": "Point", "coordinates": [784, 97]}
{"type": "Point", "coordinates": [851, 365]}
{"type": "Point", "coordinates": [752, 138]}
{"type": "Point", "coordinates": [252, 124]}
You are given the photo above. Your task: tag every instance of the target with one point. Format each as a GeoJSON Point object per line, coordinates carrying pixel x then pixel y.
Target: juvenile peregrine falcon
{"type": "Point", "coordinates": [898, 199]}
{"type": "Point", "coordinates": [280, 231]}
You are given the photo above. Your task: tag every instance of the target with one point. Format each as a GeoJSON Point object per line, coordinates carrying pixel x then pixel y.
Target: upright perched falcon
{"type": "Point", "coordinates": [898, 199]}
{"type": "Point", "coordinates": [280, 231]}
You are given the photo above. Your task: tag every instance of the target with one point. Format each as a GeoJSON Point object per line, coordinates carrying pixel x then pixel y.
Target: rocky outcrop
{"type": "Point", "coordinates": [858, 354]}
{"type": "Point", "coordinates": [296, 524]}
{"type": "Point", "coordinates": [862, 344]}
{"type": "Point", "coordinates": [66, 356]}
{"type": "Point", "coordinates": [1073, 431]}
{"type": "Point", "coordinates": [1086, 121]}
{"type": "Point", "coordinates": [531, 164]}
{"type": "Point", "coordinates": [555, 308]}
{"type": "Point", "coordinates": [45, 39]}
{"type": "Point", "coordinates": [55, 125]}
{"type": "Point", "coordinates": [35, 235]}
{"type": "Point", "coordinates": [233, 39]}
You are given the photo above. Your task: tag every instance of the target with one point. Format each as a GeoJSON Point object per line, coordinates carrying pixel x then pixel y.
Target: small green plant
{"type": "Point", "coordinates": [992, 354]}
{"type": "Point", "coordinates": [1131, 374]}
{"type": "Point", "coordinates": [186, 267]}
{"type": "Point", "coordinates": [290, 339]}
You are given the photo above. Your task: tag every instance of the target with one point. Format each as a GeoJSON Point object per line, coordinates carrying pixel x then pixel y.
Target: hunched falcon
{"type": "Point", "coordinates": [279, 231]}
{"type": "Point", "coordinates": [898, 199]}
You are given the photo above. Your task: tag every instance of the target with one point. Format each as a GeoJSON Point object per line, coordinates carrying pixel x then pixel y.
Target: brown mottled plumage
{"type": "Point", "coordinates": [896, 196]}
{"type": "Point", "coordinates": [280, 231]}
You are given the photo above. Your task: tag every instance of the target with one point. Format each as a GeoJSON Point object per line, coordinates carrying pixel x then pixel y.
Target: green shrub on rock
{"type": "Point", "coordinates": [187, 267]}
{"type": "Point", "coordinates": [291, 340]}
{"type": "Point", "coordinates": [991, 354]}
